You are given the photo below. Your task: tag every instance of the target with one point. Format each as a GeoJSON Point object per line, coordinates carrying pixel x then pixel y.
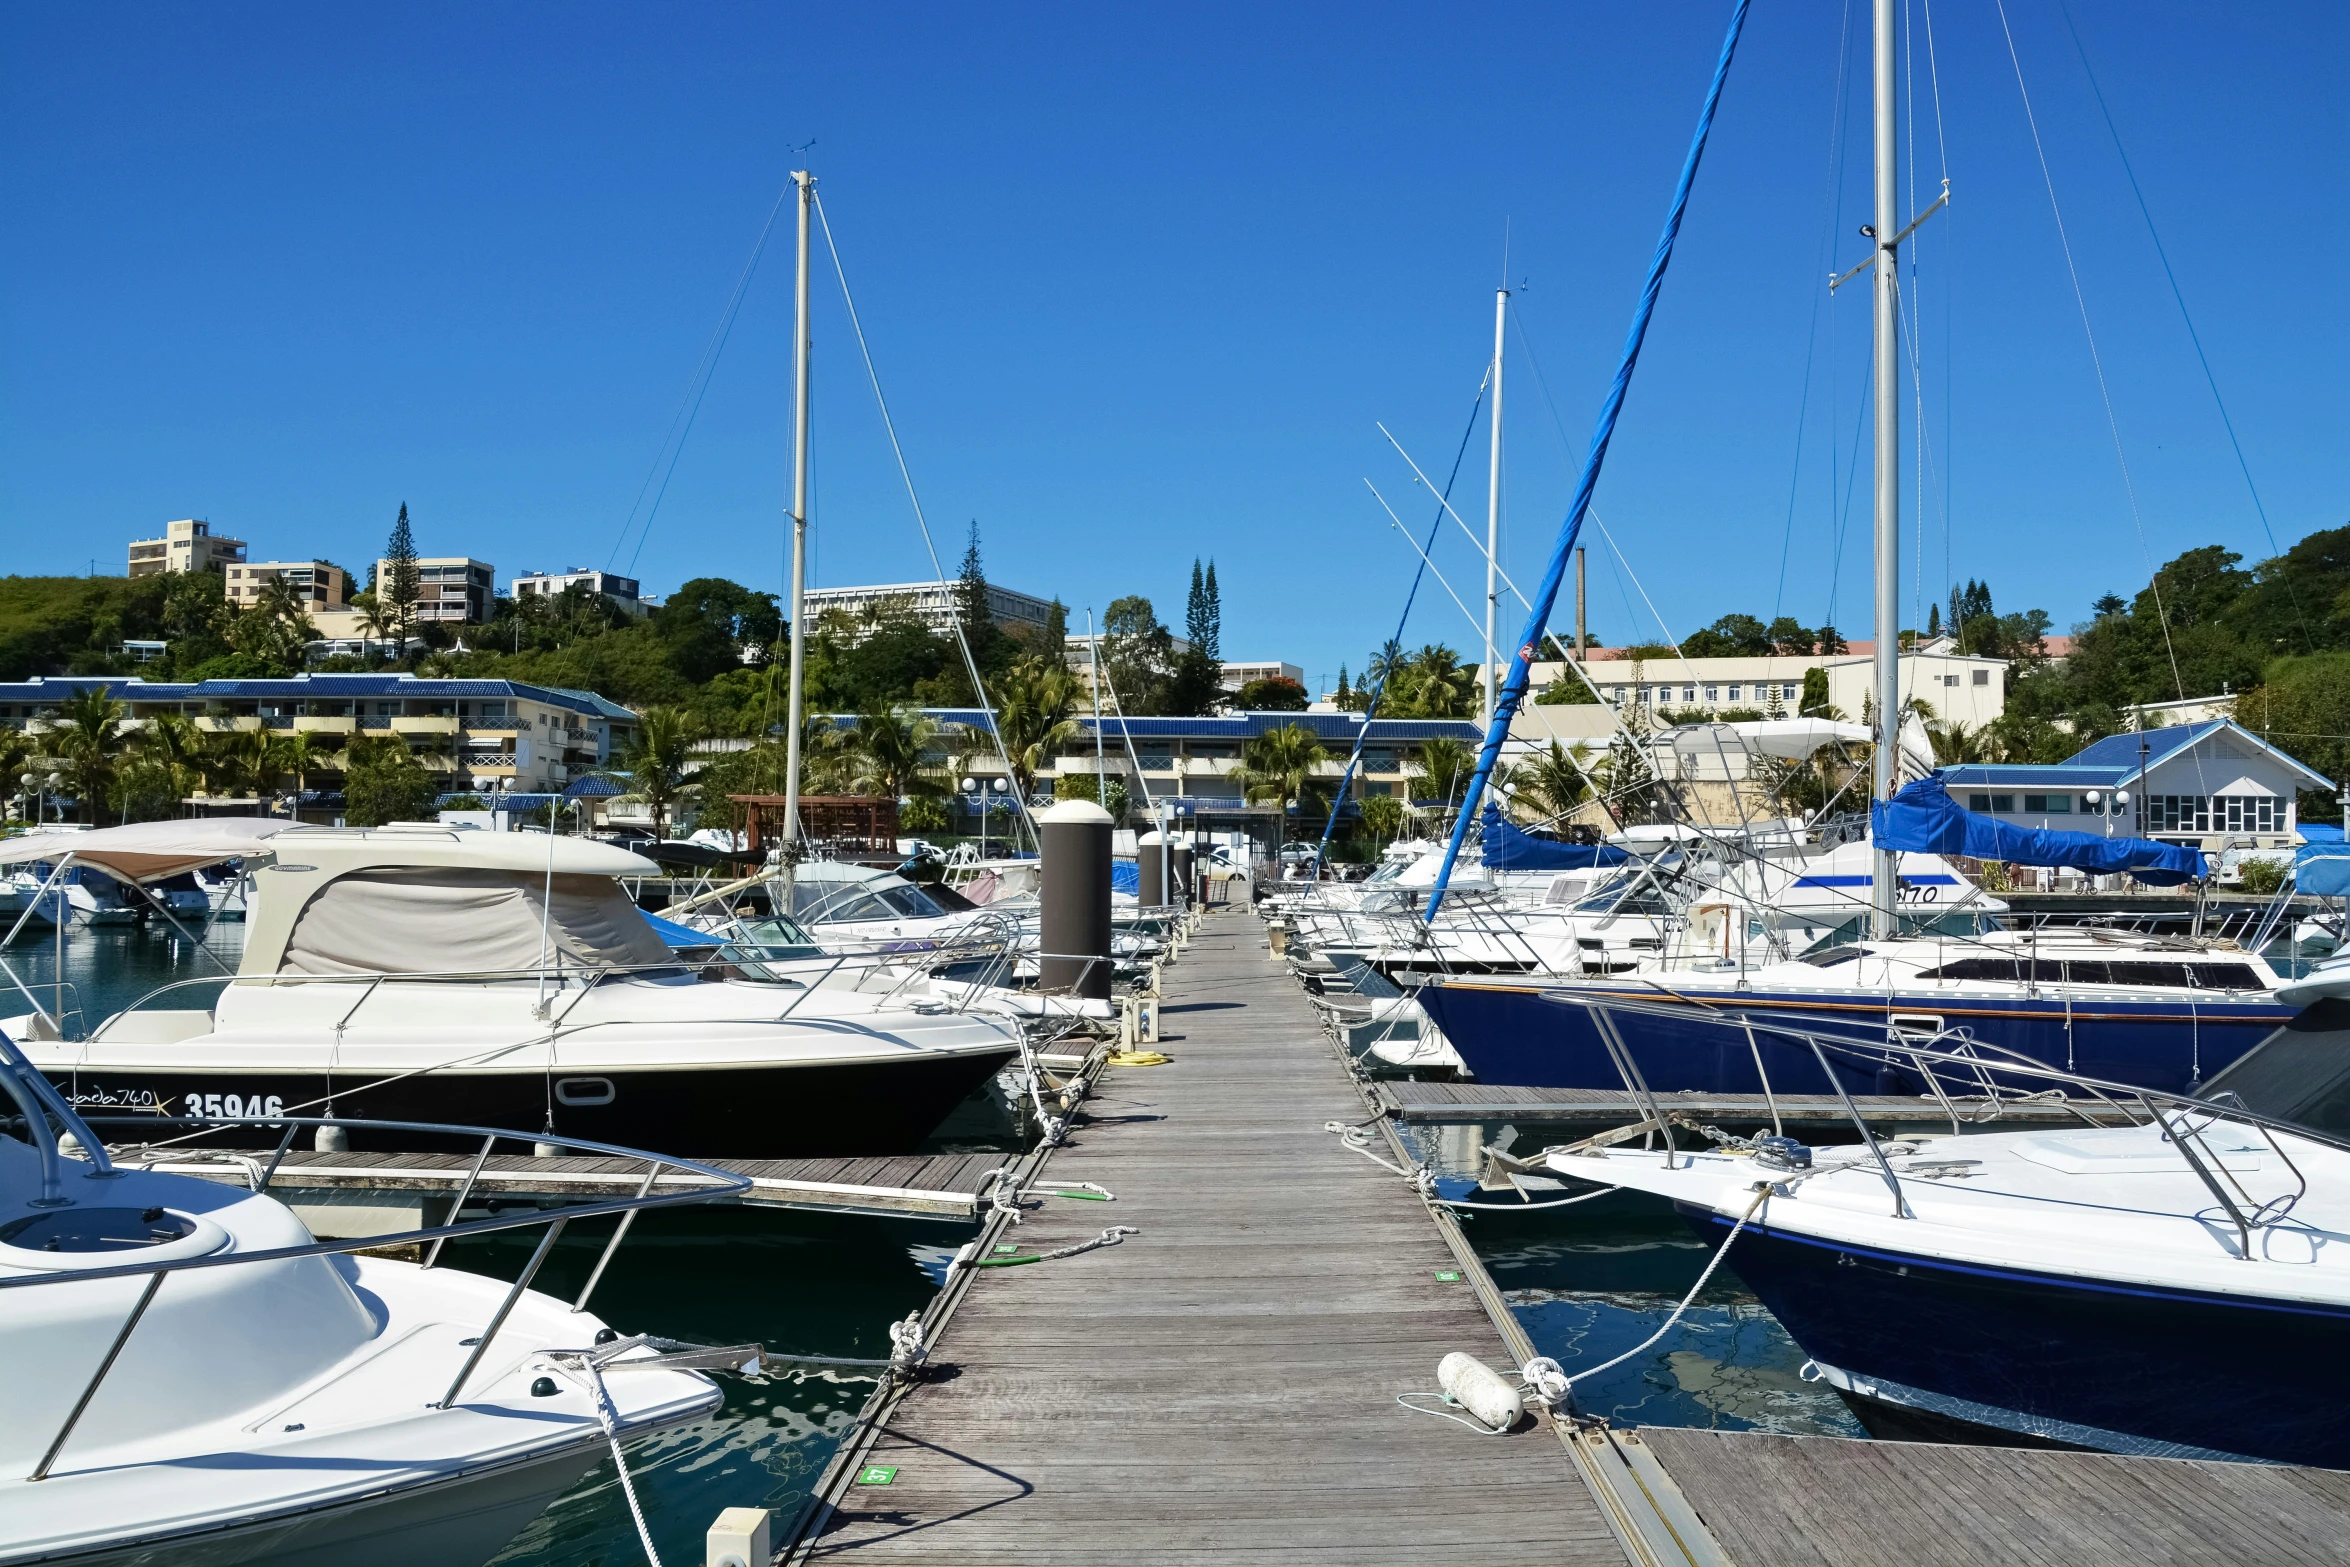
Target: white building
{"type": "Point", "coordinates": [187, 545]}
{"type": "Point", "coordinates": [1239, 672]}
{"type": "Point", "coordinates": [622, 591]}
{"type": "Point", "coordinates": [935, 604]}
{"type": "Point", "coordinates": [2192, 783]}
{"type": "Point", "coordinates": [1958, 687]}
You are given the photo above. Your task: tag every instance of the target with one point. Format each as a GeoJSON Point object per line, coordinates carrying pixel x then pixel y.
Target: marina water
{"type": "Point", "coordinates": [1588, 1282]}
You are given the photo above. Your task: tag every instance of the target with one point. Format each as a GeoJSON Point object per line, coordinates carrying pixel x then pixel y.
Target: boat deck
{"type": "Point", "coordinates": [935, 1186]}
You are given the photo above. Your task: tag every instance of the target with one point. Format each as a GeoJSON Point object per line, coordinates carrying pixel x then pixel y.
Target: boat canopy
{"type": "Point", "coordinates": [1923, 817]}
{"type": "Point", "coordinates": [1506, 848]}
{"type": "Point", "coordinates": [442, 919]}
{"type": "Point", "coordinates": [150, 851]}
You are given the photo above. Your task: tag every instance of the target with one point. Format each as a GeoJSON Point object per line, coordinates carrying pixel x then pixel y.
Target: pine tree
{"type": "Point", "coordinates": [1056, 629]}
{"type": "Point", "coordinates": [1210, 636]}
{"type": "Point", "coordinates": [1344, 696]}
{"type": "Point", "coordinates": [971, 587]}
{"type": "Point", "coordinates": [1195, 609]}
{"type": "Point", "coordinates": [401, 587]}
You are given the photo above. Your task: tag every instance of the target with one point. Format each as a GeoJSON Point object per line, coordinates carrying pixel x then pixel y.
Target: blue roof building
{"type": "Point", "coordinates": [479, 734]}
{"type": "Point", "coordinates": [2187, 783]}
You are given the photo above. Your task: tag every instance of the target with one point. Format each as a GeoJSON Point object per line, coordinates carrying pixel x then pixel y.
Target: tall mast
{"type": "Point", "coordinates": [1501, 299]}
{"type": "Point", "coordinates": [799, 535]}
{"type": "Point", "coordinates": [1886, 347]}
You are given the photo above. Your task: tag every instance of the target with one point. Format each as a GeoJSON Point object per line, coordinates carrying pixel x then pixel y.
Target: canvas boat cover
{"type": "Point", "coordinates": [1506, 848]}
{"type": "Point", "coordinates": [452, 920]}
{"type": "Point", "coordinates": [1924, 819]}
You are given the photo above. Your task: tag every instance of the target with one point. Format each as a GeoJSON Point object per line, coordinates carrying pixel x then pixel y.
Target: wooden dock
{"type": "Point", "coordinates": [1219, 1388]}
{"type": "Point", "coordinates": [937, 1186]}
{"type": "Point", "coordinates": [1456, 1103]}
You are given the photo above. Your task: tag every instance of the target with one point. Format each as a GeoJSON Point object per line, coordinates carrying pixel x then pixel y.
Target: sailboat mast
{"type": "Point", "coordinates": [1501, 299]}
{"type": "Point", "coordinates": [799, 536]}
{"type": "Point", "coordinates": [1886, 347]}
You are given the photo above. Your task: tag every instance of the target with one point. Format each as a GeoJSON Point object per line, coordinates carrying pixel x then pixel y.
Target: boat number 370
{"type": "Point", "coordinates": [230, 1107]}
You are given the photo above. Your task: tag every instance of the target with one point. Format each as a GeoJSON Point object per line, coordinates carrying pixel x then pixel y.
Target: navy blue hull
{"type": "Point", "coordinates": [1510, 1034]}
{"type": "Point", "coordinates": [2176, 1368]}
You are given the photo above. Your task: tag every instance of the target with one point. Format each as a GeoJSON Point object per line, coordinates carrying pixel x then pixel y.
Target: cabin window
{"type": "Point", "coordinates": [1713, 693]}
{"type": "Point", "coordinates": [1982, 677]}
{"type": "Point", "coordinates": [1978, 802]}
{"type": "Point", "coordinates": [2048, 805]}
{"type": "Point", "coordinates": [1734, 690]}
{"type": "Point", "coordinates": [1950, 680]}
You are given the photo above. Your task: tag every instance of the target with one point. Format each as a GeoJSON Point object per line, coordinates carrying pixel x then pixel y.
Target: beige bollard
{"type": "Point", "coordinates": [738, 1539]}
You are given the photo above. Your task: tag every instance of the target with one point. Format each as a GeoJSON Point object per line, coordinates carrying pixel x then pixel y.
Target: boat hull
{"type": "Point", "coordinates": [460, 1521]}
{"type": "Point", "coordinates": [1511, 1034]}
{"type": "Point", "coordinates": [2052, 1359]}
{"type": "Point", "coordinates": [762, 1110]}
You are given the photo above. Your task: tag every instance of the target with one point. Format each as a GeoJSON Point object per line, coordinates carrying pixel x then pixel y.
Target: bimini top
{"type": "Point", "coordinates": [417, 898]}
{"type": "Point", "coordinates": [149, 851]}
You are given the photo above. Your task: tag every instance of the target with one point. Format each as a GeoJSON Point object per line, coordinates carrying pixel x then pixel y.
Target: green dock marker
{"type": "Point", "coordinates": [876, 1474]}
{"type": "Point", "coordinates": [1448, 1275]}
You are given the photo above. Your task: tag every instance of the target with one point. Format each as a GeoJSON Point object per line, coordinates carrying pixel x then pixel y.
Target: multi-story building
{"type": "Point", "coordinates": [452, 589]}
{"type": "Point", "coordinates": [186, 545]}
{"type": "Point", "coordinates": [622, 591]}
{"type": "Point", "coordinates": [321, 586]}
{"type": "Point", "coordinates": [1239, 672]}
{"type": "Point", "coordinates": [935, 604]}
{"type": "Point", "coordinates": [2201, 783]}
{"type": "Point", "coordinates": [477, 735]}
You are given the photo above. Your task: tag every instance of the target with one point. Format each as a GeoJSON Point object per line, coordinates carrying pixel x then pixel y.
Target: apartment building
{"type": "Point", "coordinates": [187, 545]}
{"type": "Point", "coordinates": [452, 589]}
{"type": "Point", "coordinates": [622, 591]}
{"type": "Point", "coordinates": [935, 604]}
{"type": "Point", "coordinates": [322, 587]}
{"type": "Point", "coordinates": [477, 735]}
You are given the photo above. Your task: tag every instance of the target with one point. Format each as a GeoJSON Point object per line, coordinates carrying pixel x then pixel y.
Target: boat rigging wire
{"type": "Point", "coordinates": [2096, 360]}
{"type": "Point", "coordinates": [913, 498]}
{"type": "Point", "coordinates": [697, 386]}
{"type": "Point", "coordinates": [2179, 297]}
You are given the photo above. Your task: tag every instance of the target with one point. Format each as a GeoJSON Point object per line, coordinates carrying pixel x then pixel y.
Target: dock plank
{"type": "Point", "coordinates": [1219, 1388]}
{"type": "Point", "coordinates": [1788, 1501]}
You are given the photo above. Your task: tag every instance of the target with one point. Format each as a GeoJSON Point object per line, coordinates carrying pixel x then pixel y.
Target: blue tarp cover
{"type": "Point", "coordinates": [1509, 849]}
{"type": "Point", "coordinates": [1126, 876]}
{"type": "Point", "coordinates": [1924, 819]}
{"type": "Point", "coordinates": [675, 935]}
{"type": "Point", "coordinates": [2321, 867]}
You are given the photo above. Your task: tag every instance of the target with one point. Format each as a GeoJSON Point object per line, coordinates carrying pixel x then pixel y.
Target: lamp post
{"type": "Point", "coordinates": [978, 803]}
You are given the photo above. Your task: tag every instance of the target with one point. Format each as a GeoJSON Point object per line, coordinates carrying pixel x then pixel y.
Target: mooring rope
{"type": "Point", "coordinates": [1720, 1252]}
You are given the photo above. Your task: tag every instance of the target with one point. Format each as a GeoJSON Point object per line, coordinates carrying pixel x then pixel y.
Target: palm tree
{"type": "Point", "coordinates": [1033, 700]}
{"type": "Point", "coordinates": [893, 750]}
{"type": "Point", "coordinates": [657, 757]}
{"type": "Point", "coordinates": [1441, 685]}
{"type": "Point", "coordinates": [174, 743]}
{"type": "Point", "coordinates": [1958, 741]}
{"type": "Point", "coordinates": [88, 734]}
{"type": "Point", "coordinates": [1554, 781]}
{"type": "Point", "coordinates": [1383, 816]}
{"type": "Point", "coordinates": [1276, 765]}
{"type": "Point", "coordinates": [1447, 765]}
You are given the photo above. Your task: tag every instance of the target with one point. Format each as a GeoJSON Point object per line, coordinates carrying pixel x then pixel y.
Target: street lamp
{"type": "Point", "coordinates": [978, 803]}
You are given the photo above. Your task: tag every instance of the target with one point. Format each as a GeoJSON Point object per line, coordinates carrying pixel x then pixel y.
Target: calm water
{"type": "Point", "coordinates": [1588, 1282]}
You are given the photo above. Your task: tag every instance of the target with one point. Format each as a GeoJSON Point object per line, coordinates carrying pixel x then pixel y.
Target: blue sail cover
{"type": "Point", "coordinates": [1924, 819]}
{"type": "Point", "coordinates": [1508, 849]}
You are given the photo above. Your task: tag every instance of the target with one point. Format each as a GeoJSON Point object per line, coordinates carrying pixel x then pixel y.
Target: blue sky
{"type": "Point", "coordinates": [1141, 282]}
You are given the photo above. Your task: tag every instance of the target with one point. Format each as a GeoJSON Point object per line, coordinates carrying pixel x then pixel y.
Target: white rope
{"type": "Point", "coordinates": [1360, 1141]}
{"type": "Point", "coordinates": [609, 1418]}
{"type": "Point", "coordinates": [1528, 1207]}
{"type": "Point", "coordinates": [1478, 1426]}
{"type": "Point", "coordinates": [1719, 1254]}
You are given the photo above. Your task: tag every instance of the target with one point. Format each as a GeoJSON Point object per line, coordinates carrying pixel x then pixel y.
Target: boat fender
{"type": "Point", "coordinates": [1480, 1390]}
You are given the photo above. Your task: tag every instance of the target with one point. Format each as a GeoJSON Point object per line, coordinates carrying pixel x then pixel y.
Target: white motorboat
{"type": "Point", "coordinates": [192, 1379]}
{"type": "Point", "coordinates": [420, 973]}
{"type": "Point", "coordinates": [2132, 1289]}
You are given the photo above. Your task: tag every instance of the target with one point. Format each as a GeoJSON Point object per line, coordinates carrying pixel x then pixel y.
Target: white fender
{"type": "Point", "coordinates": [1480, 1390]}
